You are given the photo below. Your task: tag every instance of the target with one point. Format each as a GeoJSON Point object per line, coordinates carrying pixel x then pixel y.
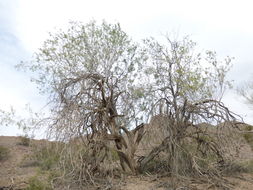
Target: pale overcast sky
{"type": "Point", "coordinates": [221, 25]}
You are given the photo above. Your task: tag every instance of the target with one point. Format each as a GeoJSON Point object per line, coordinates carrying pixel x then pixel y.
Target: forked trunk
{"type": "Point", "coordinates": [126, 149]}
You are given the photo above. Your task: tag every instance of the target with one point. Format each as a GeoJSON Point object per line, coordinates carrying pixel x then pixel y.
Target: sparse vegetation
{"type": "Point", "coordinates": [4, 153]}
{"type": "Point", "coordinates": [36, 183]}
{"type": "Point", "coordinates": [46, 156]}
{"type": "Point", "coordinates": [248, 136]}
{"type": "Point", "coordinates": [24, 140]}
{"type": "Point", "coordinates": [248, 166]}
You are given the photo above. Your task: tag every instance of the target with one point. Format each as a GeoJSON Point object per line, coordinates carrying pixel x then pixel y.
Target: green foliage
{"type": "Point", "coordinates": [36, 183]}
{"type": "Point", "coordinates": [82, 57]}
{"type": "Point", "coordinates": [184, 74]}
{"type": "Point", "coordinates": [4, 153]}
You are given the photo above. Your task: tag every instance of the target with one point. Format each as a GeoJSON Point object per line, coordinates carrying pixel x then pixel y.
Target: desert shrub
{"type": "Point", "coordinates": [249, 139]}
{"type": "Point", "coordinates": [249, 136]}
{"type": "Point", "coordinates": [37, 184]}
{"type": "Point", "coordinates": [4, 153]}
{"type": "Point", "coordinates": [46, 157]}
{"type": "Point", "coordinates": [24, 140]}
{"type": "Point", "coordinates": [249, 128]}
{"type": "Point", "coordinates": [247, 166]}
{"type": "Point", "coordinates": [234, 168]}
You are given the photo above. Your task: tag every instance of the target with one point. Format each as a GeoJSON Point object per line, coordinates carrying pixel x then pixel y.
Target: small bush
{"type": "Point", "coordinates": [248, 166]}
{"type": "Point", "coordinates": [37, 184]}
{"type": "Point", "coordinates": [234, 168]}
{"type": "Point", "coordinates": [248, 137]}
{"type": "Point", "coordinates": [46, 157]}
{"type": "Point", "coordinates": [249, 128]}
{"type": "Point", "coordinates": [24, 140]}
{"type": "Point", "coordinates": [4, 153]}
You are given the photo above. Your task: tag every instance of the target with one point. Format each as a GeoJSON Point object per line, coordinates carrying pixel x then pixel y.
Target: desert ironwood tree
{"type": "Point", "coordinates": [102, 87]}
{"type": "Point", "coordinates": [187, 90]}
